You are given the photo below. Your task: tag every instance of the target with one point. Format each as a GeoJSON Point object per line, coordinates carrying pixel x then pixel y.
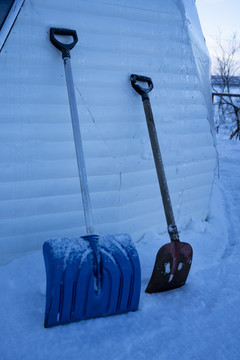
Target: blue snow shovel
{"type": "Point", "coordinates": [88, 276]}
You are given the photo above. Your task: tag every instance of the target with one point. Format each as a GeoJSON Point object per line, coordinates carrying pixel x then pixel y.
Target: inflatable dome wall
{"type": "Point", "coordinates": [40, 195]}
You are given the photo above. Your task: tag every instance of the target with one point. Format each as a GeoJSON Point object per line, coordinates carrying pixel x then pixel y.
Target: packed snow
{"type": "Point", "coordinates": [198, 321]}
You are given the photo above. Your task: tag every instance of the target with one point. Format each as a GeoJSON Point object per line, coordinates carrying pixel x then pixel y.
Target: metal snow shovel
{"type": "Point", "coordinates": [173, 261]}
{"type": "Point", "coordinates": [92, 275]}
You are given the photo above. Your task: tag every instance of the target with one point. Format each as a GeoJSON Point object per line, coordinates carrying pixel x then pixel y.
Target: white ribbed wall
{"type": "Point", "coordinates": [39, 186]}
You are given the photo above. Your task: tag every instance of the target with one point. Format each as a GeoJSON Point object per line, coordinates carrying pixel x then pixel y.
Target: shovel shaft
{"type": "Point", "coordinates": [172, 229]}
{"type": "Point", "coordinates": [78, 147]}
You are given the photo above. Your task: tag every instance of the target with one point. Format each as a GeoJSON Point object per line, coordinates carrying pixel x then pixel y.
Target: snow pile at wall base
{"type": "Point", "coordinates": [197, 321]}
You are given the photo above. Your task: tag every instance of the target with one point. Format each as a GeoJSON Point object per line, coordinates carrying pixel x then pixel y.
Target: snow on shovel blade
{"type": "Point", "coordinates": [76, 292]}
{"type": "Point", "coordinates": [172, 265]}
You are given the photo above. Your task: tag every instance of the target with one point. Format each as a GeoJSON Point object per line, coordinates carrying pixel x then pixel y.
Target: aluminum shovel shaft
{"type": "Point", "coordinates": [78, 147]}
{"type": "Point", "coordinates": [65, 48]}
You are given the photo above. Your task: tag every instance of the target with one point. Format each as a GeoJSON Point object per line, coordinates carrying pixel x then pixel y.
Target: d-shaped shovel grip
{"type": "Point", "coordinates": [143, 91]}
{"type": "Point", "coordinates": [63, 47]}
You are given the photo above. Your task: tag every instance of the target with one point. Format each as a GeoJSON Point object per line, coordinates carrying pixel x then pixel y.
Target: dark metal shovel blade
{"type": "Point", "coordinates": [172, 265]}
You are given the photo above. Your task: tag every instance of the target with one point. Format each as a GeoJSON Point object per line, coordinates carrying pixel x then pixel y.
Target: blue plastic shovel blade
{"type": "Point", "coordinates": [76, 292]}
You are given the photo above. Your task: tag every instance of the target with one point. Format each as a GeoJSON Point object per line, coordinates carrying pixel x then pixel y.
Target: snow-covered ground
{"type": "Point", "coordinates": [198, 321]}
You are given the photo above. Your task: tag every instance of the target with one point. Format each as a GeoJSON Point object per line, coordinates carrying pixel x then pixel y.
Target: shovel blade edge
{"type": "Point", "coordinates": [172, 265]}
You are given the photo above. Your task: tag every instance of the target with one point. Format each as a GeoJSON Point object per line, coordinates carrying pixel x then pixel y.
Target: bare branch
{"type": "Point", "coordinates": [227, 69]}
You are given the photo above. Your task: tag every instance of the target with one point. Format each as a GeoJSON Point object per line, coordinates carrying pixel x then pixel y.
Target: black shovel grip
{"type": "Point", "coordinates": [64, 48]}
{"type": "Point", "coordinates": [139, 89]}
